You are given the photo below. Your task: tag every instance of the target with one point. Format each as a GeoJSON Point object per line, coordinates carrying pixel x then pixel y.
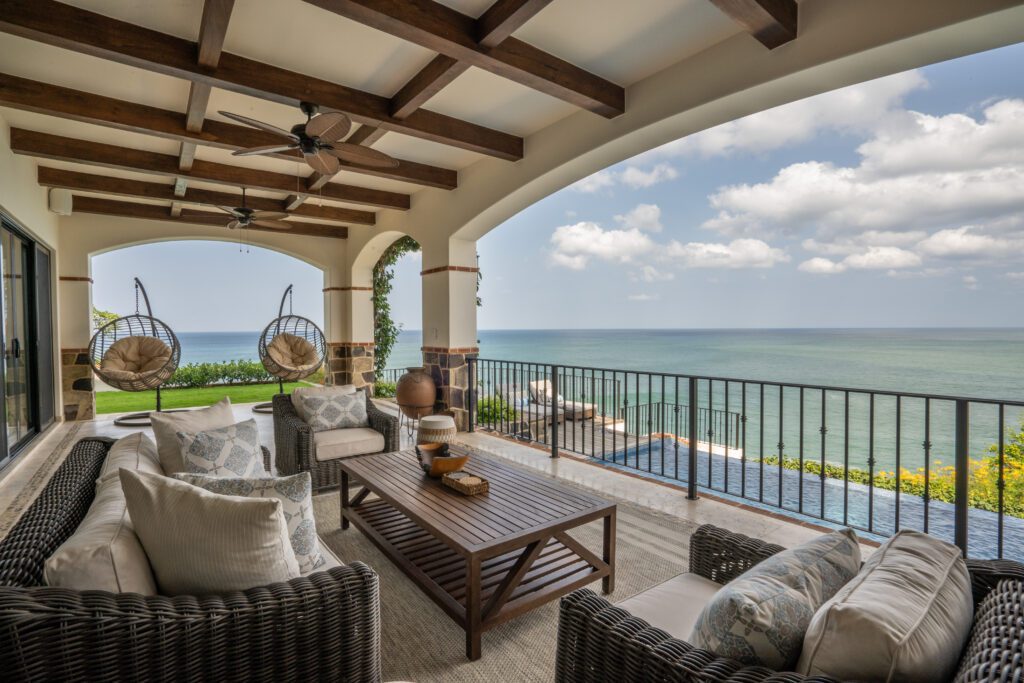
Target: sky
{"type": "Point", "coordinates": [893, 203]}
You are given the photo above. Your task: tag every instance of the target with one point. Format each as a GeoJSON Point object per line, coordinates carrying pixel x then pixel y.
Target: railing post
{"type": "Point", "coordinates": [691, 487]}
{"type": "Point", "coordinates": [472, 394]}
{"type": "Point", "coordinates": [961, 502]}
{"type": "Point", "coordinates": [554, 411]}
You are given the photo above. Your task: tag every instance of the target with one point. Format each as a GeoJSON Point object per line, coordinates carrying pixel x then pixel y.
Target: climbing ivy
{"type": "Point", "coordinates": [386, 330]}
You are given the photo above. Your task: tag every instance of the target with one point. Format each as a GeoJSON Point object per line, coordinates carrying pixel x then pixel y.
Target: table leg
{"type": "Point", "coordinates": [344, 499]}
{"type": "Point", "coordinates": [473, 607]}
{"type": "Point", "coordinates": [608, 583]}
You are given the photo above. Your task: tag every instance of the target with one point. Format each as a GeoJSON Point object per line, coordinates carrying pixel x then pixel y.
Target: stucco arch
{"type": "Point", "coordinates": [366, 250]}
{"type": "Point", "coordinates": [841, 43]}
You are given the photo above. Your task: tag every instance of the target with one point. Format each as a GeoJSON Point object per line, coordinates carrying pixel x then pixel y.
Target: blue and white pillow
{"type": "Point", "coordinates": [326, 411]}
{"type": "Point", "coordinates": [232, 451]}
{"type": "Point", "coordinates": [296, 496]}
{"type": "Point", "coordinates": [760, 617]}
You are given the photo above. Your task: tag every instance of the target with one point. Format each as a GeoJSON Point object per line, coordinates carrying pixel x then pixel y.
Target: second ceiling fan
{"type": "Point", "coordinates": [319, 141]}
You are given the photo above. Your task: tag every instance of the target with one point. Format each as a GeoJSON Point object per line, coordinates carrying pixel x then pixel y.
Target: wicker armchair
{"type": "Point", "coordinates": [324, 626]}
{"type": "Point", "coordinates": [598, 642]}
{"type": "Point", "coordinates": [296, 452]}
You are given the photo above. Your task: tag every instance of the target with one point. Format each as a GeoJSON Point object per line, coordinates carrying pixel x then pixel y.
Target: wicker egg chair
{"type": "Point", "coordinates": [291, 348]}
{"type": "Point", "coordinates": [135, 353]}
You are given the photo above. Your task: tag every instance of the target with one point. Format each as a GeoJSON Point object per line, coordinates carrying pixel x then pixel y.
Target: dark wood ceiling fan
{"type": "Point", "coordinates": [243, 217]}
{"type": "Point", "coordinates": [319, 140]}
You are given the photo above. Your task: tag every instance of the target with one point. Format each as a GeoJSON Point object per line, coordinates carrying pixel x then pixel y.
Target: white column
{"type": "Point", "coordinates": [74, 307]}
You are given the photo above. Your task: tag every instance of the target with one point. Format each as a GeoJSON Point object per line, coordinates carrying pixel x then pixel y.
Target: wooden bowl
{"type": "Point", "coordinates": [436, 460]}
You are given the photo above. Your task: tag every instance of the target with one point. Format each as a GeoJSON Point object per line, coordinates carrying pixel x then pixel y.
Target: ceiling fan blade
{"type": "Point", "coordinates": [266, 149]}
{"type": "Point", "coordinates": [329, 127]}
{"type": "Point", "coordinates": [228, 209]}
{"type": "Point", "coordinates": [363, 156]}
{"type": "Point", "coordinates": [262, 126]}
{"type": "Point", "coordinates": [322, 162]}
{"type": "Point", "coordinates": [233, 224]}
{"type": "Point", "coordinates": [269, 215]}
{"type": "Point", "coordinates": [276, 225]}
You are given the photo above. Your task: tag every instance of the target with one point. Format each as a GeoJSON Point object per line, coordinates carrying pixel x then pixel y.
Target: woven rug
{"type": "Point", "coordinates": [421, 643]}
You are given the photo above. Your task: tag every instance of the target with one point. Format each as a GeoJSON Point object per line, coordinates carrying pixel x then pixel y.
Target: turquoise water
{"type": "Point", "coordinates": [213, 347]}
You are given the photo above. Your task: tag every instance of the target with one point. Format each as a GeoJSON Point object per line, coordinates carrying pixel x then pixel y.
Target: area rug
{"type": "Point", "coordinates": [421, 643]}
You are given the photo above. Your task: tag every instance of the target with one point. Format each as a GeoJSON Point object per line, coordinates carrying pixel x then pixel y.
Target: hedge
{"type": "Point", "coordinates": [227, 372]}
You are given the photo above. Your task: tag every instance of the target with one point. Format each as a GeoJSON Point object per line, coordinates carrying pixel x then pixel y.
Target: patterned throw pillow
{"type": "Point", "coordinates": [760, 617]}
{"type": "Point", "coordinates": [325, 411]}
{"type": "Point", "coordinates": [232, 451]}
{"type": "Point", "coordinates": [296, 496]}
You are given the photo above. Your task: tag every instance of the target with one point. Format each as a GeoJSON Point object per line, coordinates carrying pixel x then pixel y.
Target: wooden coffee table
{"type": "Point", "coordinates": [483, 559]}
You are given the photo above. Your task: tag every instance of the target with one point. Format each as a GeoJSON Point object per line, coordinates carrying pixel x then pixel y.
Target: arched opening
{"type": "Point", "coordinates": [217, 297]}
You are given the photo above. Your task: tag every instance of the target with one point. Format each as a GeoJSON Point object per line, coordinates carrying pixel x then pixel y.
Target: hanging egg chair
{"type": "Point", "coordinates": [291, 348]}
{"type": "Point", "coordinates": [135, 353]}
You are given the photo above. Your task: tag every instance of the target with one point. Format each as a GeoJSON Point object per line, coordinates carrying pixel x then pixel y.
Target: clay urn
{"type": "Point", "coordinates": [415, 393]}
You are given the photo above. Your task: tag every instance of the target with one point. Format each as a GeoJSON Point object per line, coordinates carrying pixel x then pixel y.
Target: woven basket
{"type": "Point", "coordinates": [454, 482]}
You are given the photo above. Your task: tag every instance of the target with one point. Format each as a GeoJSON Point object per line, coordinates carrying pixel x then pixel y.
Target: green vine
{"type": "Point", "coordinates": [386, 330]}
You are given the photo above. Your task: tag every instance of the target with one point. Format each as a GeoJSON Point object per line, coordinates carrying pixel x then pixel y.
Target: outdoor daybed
{"type": "Point", "coordinates": [324, 625]}
{"type": "Point", "coordinates": [601, 642]}
{"type": "Point", "coordinates": [540, 393]}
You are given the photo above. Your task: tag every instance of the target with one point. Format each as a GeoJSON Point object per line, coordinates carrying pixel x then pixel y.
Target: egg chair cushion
{"type": "Point", "coordinates": [293, 353]}
{"type": "Point", "coordinates": [134, 358]}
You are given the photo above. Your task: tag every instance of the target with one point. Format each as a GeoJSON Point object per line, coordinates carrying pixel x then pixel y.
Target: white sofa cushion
{"type": "Point", "coordinates": [673, 606]}
{"type": "Point", "coordinates": [232, 451]}
{"type": "Point", "coordinates": [299, 392]}
{"type": "Point", "coordinates": [330, 560]}
{"type": "Point", "coordinates": [759, 618]}
{"type": "Point", "coordinates": [200, 543]}
{"type": "Point", "coordinates": [104, 553]}
{"type": "Point", "coordinates": [167, 425]}
{"type": "Point", "coordinates": [904, 617]}
{"type": "Point", "coordinates": [296, 495]}
{"type": "Point", "coordinates": [134, 452]}
{"type": "Point", "coordinates": [345, 443]}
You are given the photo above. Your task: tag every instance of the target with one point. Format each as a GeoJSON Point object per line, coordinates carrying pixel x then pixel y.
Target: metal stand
{"type": "Point", "coordinates": [268, 408]}
{"type": "Point", "coordinates": [143, 419]}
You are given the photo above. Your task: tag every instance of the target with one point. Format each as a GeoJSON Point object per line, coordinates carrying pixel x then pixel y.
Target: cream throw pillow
{"type": "Point", "coordinates": [200, 543]}
{"type": "Point", "coordinates": [300, 392]}
{"type": "Point", "coordinates": [905, 617]}
{"type": "Point", "coordinates": [104, 553]}
{"type": "Point", "coordinates": [232, 451]}
{"type": "Point", "coordinates": [167, 425]}
{"type": "Point", "coordinates": [133, 452]}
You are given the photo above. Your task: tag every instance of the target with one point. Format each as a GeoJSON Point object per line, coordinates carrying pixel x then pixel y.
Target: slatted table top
{"type": "Point", "coordinates": [519, 506]}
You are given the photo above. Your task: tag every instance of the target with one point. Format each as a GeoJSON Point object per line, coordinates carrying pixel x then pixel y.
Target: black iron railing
{"type": "Point", "coordinates": [390, 375]}
{"type": "Point", "coordinates": [876, 460]}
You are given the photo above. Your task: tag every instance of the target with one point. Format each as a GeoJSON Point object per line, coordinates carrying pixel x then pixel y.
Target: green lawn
{"type": "Point", "coordinates": [131, 402]}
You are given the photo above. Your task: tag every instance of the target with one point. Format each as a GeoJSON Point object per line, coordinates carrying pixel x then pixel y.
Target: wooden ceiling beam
{"type": "Point", "coordinates": [112, 207]}
{"type": "Point", "coordinates": [448, 32]}
{"type": "Point", "coordinates": [43, 145]}
{"type": "Point", "coordinates": [43, 98]}
{"type": "Point", "coordinates": [367, 135]}
{"type": "Point", "coordinates": [504, 18]}
{"type": "Point", "coordinates": [141, 189]}
{"type": "Point", "coordinates": [429, 81]}
{"type": "Point", "coordinates": [772, 22]}
{"type": "Point", "coordinates": [87, 32]}
{"type": "Point", "coordinates": [212, 30]}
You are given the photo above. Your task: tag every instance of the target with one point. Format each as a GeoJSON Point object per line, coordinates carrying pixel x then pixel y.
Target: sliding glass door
{"type": "Point", "coordinates": [27, 344]}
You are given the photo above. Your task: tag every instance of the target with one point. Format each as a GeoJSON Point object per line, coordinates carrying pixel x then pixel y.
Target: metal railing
{"type": "Point", "coordinates": [390, 375]}
{"type": "Point", "coordinates": [876, 460]}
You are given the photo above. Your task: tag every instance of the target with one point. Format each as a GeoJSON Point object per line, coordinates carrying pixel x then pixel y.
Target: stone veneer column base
{"type": "Point", "coordinates": [349, 363]}
{"type": "Point", "coordinates": [77, 387]}
{"type": "Point", "coordinates": [449, 368]}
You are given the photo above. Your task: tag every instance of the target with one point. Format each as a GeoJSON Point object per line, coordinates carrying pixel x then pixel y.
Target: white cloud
{"type": "Point", "coordinates": [970, 282]}
{"type": "Point", "coordinates": [873, 258]}
{"type": "Point", "coordinates": [740, 253]}
{"type": "Point", "coordinates": [637, 178]}
{"type": "Point", "coordinates": [852, 244]}
{"type": "Point", "coordinates": [821, 266]}
{"type": "Point", "coordinates": [1016, 276]}
{"type": "Point", "coordinates": [594, 183]}
{"type": "Point", "coordinates": [632, 176]}
{"type": "Point", "coordinates": [857, 108]}
{"type": "Point", "coordinates": [575, 245]}
{"type": "Point", "coordinates": [967, 241]}
{"type": "Point", "coordinates": [643, 297]}
{"type": "Point", "coordinates": [651, 274]}
{"type": "Point", "coordinates": [645, 217]}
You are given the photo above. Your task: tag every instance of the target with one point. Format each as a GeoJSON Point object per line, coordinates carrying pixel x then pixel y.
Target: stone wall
{"type": "Point", "coordinates": [350, 363]}
{"type": "Point", "coordinates": [77, 390]}
{"type": "Point", "coordinates": [449, 368]}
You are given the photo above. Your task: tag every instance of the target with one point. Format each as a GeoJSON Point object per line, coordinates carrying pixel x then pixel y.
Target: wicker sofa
{"type": "Point", "coordinates": [323, 626]}
{"type": "Point", "coordinates": [600, 642]}
{"type": "Point", "coordinates": [295, 442]}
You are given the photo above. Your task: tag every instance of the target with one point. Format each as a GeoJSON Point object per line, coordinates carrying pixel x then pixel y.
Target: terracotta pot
{"type": "Point", "coordinates": [415, 393]}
